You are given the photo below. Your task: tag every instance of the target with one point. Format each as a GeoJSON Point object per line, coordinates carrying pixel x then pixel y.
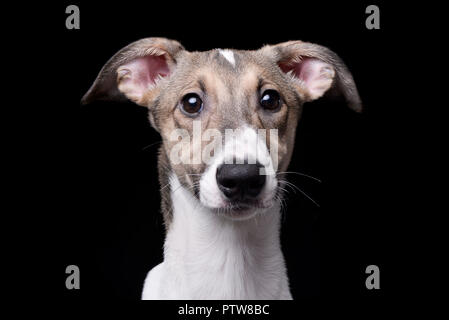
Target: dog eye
{"type": "Point", "coordinates": [191, 104]}
{"type": "Point", "coordinates": [270, 100]}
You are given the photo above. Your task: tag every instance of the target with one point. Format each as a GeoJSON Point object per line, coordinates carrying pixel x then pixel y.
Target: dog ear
{"type": "Point", "coordinates": [315, 69]}
{"type": "Point", "coordinates": [135, 71]}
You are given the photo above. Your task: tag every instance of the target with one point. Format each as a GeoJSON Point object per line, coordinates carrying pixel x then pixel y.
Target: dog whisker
{"type": "Point", "coordinates": [294, 188]}
{"type": "Point", "coordinates": [151, 144]}
{"type": "Point", "coordinates": [300, 174]}
{"type": "Point", "coordinates": [303, 193]}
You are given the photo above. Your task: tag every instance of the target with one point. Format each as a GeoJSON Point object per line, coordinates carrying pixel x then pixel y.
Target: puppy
{"type": "Point", "coordinates": [227, 119]}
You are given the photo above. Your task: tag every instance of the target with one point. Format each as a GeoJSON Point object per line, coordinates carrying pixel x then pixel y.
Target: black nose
{"type": "Point", "coordinates": [240, 181]}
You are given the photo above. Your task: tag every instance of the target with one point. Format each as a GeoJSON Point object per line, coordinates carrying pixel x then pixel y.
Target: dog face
{"type": "Point", "coordinates": [227, 118]}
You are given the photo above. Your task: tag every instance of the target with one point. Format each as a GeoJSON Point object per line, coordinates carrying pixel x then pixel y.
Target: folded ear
{"type": "Point", "coordinates": [315, 69]}
{"type": "Point", "coordinates": [134, 71]}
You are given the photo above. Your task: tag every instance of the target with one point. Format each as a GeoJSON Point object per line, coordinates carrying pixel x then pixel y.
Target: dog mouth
{"type": "Point", "coordinates": [241, 209]}
{"type": "Point", "coordinates": [242, 206]}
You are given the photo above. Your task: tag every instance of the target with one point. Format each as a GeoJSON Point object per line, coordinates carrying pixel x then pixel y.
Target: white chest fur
{"type": "Point", "coordinates": [208, 256]}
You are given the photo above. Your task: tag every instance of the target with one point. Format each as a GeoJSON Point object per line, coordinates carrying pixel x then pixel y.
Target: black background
{"type": "Point", "coordinates": [98, 169]}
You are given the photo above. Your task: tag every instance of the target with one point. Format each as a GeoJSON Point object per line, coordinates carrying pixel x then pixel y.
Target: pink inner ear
{"type": "Point", "coordinates": [316, 75]}
{"type": "Point", "coordinates": [138, 75]}
{"type": "Point", "coordinates": [305, 70]}
{"type": "Point", "coordinates": [145, 70]}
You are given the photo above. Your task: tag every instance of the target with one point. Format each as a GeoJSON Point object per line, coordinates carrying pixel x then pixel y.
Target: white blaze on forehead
{"type": "Point", "coordinates": [229, 55]}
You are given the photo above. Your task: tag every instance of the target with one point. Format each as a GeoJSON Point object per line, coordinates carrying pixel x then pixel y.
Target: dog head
{"type": "Point", "coordinates": [227, 117]}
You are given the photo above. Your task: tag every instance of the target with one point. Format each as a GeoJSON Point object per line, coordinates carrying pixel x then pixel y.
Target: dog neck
{"type": "Point", "coordinates": [209, 256]}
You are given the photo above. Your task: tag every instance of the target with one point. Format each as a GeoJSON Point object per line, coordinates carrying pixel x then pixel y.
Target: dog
{"type": "Point", "coordinates": [222, 217]}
